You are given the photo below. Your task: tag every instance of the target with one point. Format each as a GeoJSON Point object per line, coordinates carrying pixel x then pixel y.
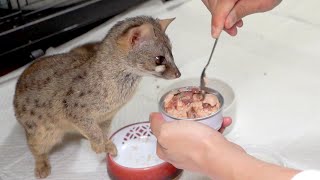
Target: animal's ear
{"type": "Point", "coordinates": [164, 23]}
{"type": "Point", "coordinates": [137, 35]}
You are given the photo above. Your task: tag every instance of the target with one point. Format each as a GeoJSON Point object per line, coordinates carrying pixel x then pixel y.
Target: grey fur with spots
{"type": "Point", "coordinates": [82, 90]}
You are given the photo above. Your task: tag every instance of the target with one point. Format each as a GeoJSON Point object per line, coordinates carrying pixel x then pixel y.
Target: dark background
{"type": "Point", "coordinates": [29, 27]}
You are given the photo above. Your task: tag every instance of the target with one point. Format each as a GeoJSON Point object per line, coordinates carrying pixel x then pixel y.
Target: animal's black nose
{"type": "Point", "coordinates": [178, 74]}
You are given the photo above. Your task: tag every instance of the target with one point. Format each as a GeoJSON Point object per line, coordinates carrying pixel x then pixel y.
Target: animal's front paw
{"type": "Point", "coordinates": [98, 148]}
{"type": "Point", "coordinates": [43, 169]}
{"type": "Point", "coordinates": [111, 148]}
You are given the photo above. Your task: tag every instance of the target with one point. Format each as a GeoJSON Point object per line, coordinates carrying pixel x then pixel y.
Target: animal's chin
{"type": "Point", "coordinates": [154, 74]}
{"type": "Point", "coordinates": [164, 77]}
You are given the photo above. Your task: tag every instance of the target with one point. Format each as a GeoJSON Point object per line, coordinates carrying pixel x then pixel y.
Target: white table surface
{"type": "Point", "coordinates": [273, 66]}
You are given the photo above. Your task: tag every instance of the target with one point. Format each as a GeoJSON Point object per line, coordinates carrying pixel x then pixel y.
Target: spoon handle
{"type": "Point", "coordinates": [203, 74]}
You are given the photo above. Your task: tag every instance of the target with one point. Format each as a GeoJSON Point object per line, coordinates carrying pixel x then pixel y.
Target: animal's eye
{"type": "Point", "coordinates": [160, 60]}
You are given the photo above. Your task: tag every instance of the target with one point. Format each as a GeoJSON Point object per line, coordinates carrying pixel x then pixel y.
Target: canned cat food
{"type": "Point", "coordinates": [188, 103]}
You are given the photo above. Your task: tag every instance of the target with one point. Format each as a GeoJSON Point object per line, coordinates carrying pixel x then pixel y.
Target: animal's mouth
{"type": "Point", "coordinates": [159, 75]}
{"type": "Point", "coordinates": [167, 76]}
{"type": "Point", "coordinates": [167, 72]}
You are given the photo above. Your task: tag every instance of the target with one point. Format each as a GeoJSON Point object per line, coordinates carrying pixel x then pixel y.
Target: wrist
{"type": "Point", "coordinates": [235, 164]}
{"type": "Point", "coordinates": [222, 159]}
{"type": "Point", "coordinates": [253, 169]}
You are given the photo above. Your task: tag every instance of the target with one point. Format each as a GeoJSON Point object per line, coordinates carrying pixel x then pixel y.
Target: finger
{"type": "Point", "coordinates": [232, 31]}
{"type": "Point", "coordinates": [242, 9]}
{"type": "Point", "coordinates": [210, 4]}
{"type": "Point", "coordinates": [210, 8]}
{"type": "Point", "coordinates": [160, 152]}
{"type": "Point", "coordinates": [165, 156]}
{"type": "Point", "coordinates": [239, 23]}
{"type": "Point", "coordinates": [227, 121]}
{"type": "Point", "coordinates": [206, 3]}
{"type": "Point", "coordinates": [239, 147]}
{"type": "Point", "coordinates": [221, 12]}
{"type": "Point", "coordinates": [156, 121]}
{"type": "Point", "coordinates": [161, 146]}
{"type": "Point", "coordinates": [177, 165]}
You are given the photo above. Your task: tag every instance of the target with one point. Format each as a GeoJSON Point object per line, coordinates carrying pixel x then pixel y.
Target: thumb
{"type": "Point", "coordinates": [240, 10]}
{"type": "Point", "coordinates": [156, 121]}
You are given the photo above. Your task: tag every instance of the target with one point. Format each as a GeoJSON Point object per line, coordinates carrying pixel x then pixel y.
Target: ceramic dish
{"type": "Point", "coordinates": [137, 159]}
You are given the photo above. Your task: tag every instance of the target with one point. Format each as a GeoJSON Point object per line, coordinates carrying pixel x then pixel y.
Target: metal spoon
{"type": "Point", "coordinates": [203, 87]}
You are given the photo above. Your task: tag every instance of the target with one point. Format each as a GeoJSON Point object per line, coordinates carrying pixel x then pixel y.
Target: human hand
{"type": "Point", "coordinates": [227, 14]}
{"type": "Point", "coordinates": [191, 145]}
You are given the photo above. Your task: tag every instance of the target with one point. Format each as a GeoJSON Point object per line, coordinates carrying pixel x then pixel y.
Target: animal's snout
{"type": "Point", "coordinates": [177, 74]}
{"type": "Point", "coordinates": [171, 72]}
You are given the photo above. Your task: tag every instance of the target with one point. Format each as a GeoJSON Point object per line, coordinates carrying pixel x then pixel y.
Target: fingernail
{"type": "Point", "coordinates": [214, 32]}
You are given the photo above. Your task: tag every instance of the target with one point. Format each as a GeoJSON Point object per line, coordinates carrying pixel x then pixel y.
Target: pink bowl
{"type": "Point", "coordinates": [137, 159]}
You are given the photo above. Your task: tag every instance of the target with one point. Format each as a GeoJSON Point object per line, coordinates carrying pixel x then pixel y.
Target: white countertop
{"type": "Point", "coordinates": [273, 66]}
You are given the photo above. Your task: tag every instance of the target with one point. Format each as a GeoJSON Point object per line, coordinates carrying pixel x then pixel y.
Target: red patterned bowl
{"type": "Point", "coordinates": [137, 158]}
